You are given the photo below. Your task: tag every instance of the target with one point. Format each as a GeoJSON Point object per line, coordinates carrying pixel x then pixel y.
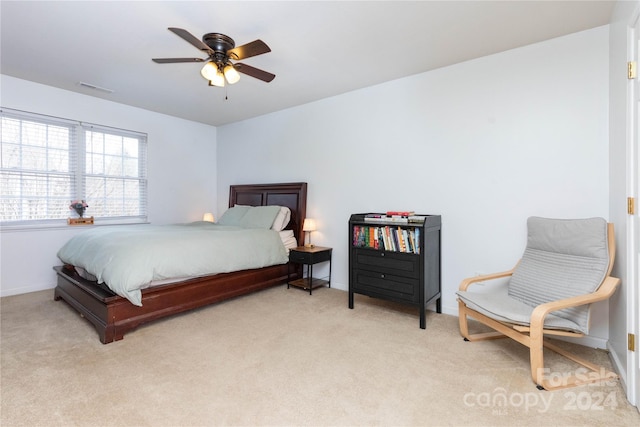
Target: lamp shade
{"type": "Point", "coordinates": [212, 72]}
{"type": "Point", "coordinates": [231, 74]}
{"type": "Point", "coordinates": [309, 224]}
{"type": "Point", "coordinates": [209, 71]}
{"type": "Point", "coordinates": [208, 217]}
{"type": "Point", "coordinates": [218, 79]}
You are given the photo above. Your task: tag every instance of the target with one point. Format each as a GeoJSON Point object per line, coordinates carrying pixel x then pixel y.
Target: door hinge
{"type": "Point", "coordinates": [631, 206]}
{"type": "Point", "coordinates": [631, 70]}
{"type": "Point", "coordinates": [631, 341]}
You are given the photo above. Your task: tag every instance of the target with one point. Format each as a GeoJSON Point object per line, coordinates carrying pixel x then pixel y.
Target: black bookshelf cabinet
{"type": "Point", "coordinates": [396, 260]}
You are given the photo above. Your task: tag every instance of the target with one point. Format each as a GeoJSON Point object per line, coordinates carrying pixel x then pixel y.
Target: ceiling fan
{"type": "Point", "coordinates": [221, 50]}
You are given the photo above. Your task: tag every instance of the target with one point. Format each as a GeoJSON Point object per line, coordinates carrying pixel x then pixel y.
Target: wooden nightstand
{"type": "Point", "coordinates": [309, 257]}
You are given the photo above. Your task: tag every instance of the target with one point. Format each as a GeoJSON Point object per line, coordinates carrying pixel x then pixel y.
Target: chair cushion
{"type": "Point", "coordinates": [497, 304]}
{"type": "Point", "coordinates": [563, 258]}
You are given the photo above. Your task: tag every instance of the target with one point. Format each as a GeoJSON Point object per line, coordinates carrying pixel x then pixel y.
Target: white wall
{"type": "Point", "coordinates": [485, 144]}
{"type": "Point", "coordinates": [181, 174]}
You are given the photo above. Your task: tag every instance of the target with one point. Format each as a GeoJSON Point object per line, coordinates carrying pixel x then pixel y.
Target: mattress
{"type": "Point", "coordinates": [130, 258]}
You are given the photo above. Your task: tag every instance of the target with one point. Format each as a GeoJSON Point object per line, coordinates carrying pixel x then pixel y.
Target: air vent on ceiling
{"type": "Point", "coordinates": [90, 86]}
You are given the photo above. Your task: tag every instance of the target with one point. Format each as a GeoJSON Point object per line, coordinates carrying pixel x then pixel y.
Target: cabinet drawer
{"type": "Point", "coordinates": [310, 257]}
{"type": "Point", "coordinates": [398, 288]}
{"type": "Point", "coordinates": [299, 257]}
{"type": "Point", "coordinates": [397, 264]}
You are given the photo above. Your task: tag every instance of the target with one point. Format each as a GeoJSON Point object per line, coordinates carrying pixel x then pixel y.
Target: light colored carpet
{"type": "Point", "coordinates": [279, 357]}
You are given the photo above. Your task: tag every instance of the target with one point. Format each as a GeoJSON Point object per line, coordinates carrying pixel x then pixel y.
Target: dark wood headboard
{"type": "Point", "coordinates": [292, 195]}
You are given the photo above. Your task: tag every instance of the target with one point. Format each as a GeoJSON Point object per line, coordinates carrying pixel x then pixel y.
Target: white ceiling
{"type": "Point", "coordinates": [319, 48]}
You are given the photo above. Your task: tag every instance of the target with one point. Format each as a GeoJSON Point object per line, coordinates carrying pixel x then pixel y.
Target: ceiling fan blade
{"type": "Point", "coordinates": [254, 72]}
{"type": "Point", "coordinates": [186, 35]}
{"type": "Point", "coordinates": [256, 47]}
{"type": "Point", "coordinates": [174, 60]}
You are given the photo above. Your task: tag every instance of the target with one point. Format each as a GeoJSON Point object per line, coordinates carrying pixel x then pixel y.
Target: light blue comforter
{"type": "Point", "coordinates": [128, 258]}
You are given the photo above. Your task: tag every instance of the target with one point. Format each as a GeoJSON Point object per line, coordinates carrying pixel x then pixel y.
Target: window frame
{"type": "Point", "coordinates": [79, 173]}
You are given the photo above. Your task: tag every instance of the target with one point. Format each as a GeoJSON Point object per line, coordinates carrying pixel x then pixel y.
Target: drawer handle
{"type": "Point", "coordinates": [381, 253]}
{"type": "Point", "coordinates": [382, 276]}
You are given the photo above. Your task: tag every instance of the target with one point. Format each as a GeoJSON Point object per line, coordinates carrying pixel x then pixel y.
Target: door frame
{"type": "Point", "coordinates": [633, 220]}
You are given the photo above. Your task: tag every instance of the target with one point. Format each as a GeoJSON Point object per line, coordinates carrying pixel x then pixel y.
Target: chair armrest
{"type": "Point", "coordinates": [471, 280]}
{"type": "Point", "coordinates": [606, 289]}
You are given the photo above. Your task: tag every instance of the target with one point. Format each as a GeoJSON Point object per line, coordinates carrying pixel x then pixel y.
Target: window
{"type": "Point", "coordinates": [46, 162]}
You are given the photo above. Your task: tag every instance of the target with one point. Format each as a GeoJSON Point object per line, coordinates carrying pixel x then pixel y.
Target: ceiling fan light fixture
{"type": "Point", "coordinates": [209, 70]}
{"type": "Point", "coordinates": [231, 74]}
{"type": "Point", "coordinates": [218, 70]}
{"type": "Point", "coordinates": [218, 79]}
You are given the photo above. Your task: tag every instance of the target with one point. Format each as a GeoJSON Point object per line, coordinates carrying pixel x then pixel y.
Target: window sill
{"type": "Point", "coordinates": [62, 225]}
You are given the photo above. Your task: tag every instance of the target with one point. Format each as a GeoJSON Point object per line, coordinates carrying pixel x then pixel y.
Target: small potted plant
{"type": "Point", "coordinates": [79, 206]}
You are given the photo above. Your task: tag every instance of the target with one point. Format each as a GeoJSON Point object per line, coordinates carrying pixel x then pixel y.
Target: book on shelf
{"type": "Point", "coordinates": [396, 243]}
{"type": "Point", "coordinates": [412, 242]}
{"type": "Point", "coordinates": [389, 238]}
{"type": "Point", "coordinates": [407, 243]}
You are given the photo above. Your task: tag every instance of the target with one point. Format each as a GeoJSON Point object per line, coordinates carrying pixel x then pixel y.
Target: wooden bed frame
{"type": "Point", "coordinates": [113, 315]}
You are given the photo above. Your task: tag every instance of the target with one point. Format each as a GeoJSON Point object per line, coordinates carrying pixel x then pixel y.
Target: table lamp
{"type": "Point", "coordinates": [309, 226]}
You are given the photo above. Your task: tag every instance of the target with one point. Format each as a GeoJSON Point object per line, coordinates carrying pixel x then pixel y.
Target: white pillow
{"type": "Point", "coordinates": [260, 217]}
{"type": "Point", "coordinates": [282, 219]}
{"type": "Point", "coordinates": [234, 215]}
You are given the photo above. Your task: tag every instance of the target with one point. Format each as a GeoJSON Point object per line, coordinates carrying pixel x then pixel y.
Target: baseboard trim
{"type": "Point", "coordinates": [619, 367]}
{"type": "Point", "coordinates": [24, 290]}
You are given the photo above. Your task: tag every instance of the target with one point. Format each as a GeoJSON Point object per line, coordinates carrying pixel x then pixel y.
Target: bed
{"type": "Point", "coordinates": [113, 315]}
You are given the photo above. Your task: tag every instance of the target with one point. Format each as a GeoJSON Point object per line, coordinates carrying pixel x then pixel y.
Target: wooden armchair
{"type": "Point", "coordinates": [566, 266]}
